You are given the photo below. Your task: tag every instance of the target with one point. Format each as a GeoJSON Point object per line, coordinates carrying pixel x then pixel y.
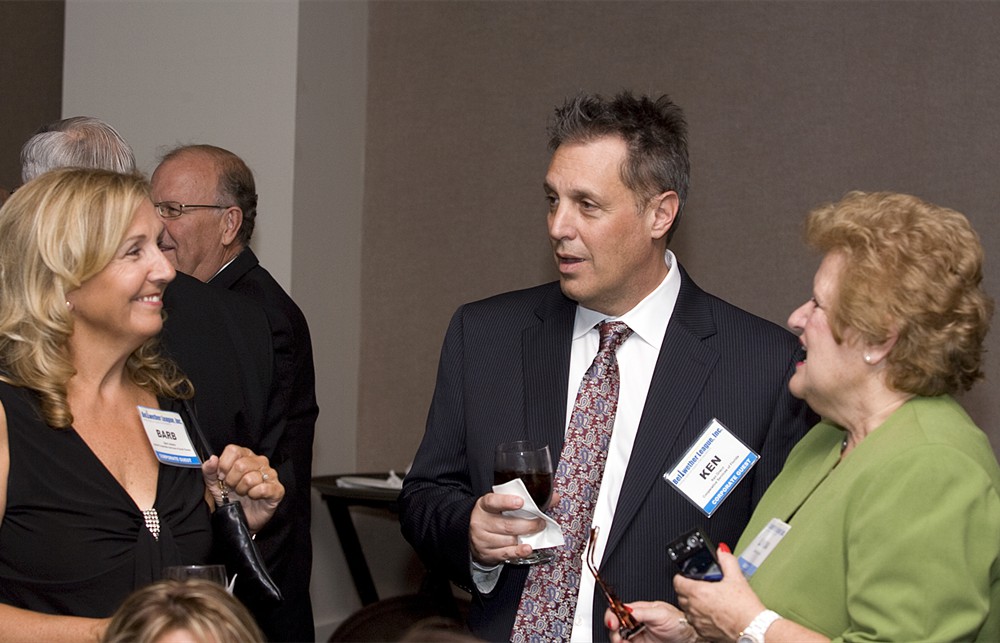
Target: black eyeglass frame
{"type": "Point", "coordinates": [182, 208]}
{"type": "Point", "coordinates": [628, 627]}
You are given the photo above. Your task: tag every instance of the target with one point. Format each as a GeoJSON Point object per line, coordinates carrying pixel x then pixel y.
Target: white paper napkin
{"type": "Point", "coordinates": [551, 536]}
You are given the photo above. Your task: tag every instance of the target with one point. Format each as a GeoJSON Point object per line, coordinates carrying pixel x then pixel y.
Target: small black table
{"type": "Point", "coordinates": [339, 500]}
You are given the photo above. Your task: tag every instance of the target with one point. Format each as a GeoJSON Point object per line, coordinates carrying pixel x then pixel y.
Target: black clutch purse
{"type": "Point", "coordinates": [233, 545]}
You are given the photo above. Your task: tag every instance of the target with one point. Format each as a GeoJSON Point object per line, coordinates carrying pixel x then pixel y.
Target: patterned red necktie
{"type": "Point", "coordinates": [548, 602]}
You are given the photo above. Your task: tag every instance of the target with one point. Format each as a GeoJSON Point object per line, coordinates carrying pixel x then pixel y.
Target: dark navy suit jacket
{"type": "Point", "coordinates": [503, 376]}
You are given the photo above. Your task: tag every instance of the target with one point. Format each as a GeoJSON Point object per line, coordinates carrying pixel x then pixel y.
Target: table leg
{"type": "Point", "coordinates": [355, 556]}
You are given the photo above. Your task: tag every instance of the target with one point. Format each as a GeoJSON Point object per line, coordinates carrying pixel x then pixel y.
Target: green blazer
{"type": "Point", "coordinates": [898, 542]}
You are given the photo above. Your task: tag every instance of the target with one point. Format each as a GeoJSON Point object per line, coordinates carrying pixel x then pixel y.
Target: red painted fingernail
{"type": "Point", "coordinates": [609, 623]}
{"type": "Point", "coordinates": [628, 609]}
{"type": "Point", "coordinates": [724, 547]}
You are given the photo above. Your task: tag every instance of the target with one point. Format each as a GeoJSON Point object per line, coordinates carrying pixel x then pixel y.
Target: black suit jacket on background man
{"type": "Point", "coordinates": [285, 542]}
{"type": "Point", "coordinates": [222, 342]}
{"type": "Point", "coordinates": [503, 376]}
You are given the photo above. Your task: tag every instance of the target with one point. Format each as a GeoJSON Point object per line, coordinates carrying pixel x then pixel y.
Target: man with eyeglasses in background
{"type": "Point", "coordinates": [207, 199]}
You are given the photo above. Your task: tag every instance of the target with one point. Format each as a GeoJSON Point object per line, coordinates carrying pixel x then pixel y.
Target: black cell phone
{"type": "Point", "coordinates": [694, 555]}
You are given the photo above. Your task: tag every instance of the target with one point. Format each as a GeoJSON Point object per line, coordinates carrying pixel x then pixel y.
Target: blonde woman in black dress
{"type": "Point", "coordinates": [88, 512]}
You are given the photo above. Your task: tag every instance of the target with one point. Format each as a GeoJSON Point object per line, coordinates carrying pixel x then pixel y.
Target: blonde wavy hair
{"type": "Point", "coordinates": [201, 608]}
{"type": "Point", "coordinates": [56, 232]}
{"type": "Point", "coordinates": [913, 268]}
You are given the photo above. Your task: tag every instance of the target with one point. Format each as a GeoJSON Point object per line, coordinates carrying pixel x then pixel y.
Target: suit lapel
{"type": "Point", "coordinates": [546, 350]}
{"type": "Point", "coordinates": [682, 368]}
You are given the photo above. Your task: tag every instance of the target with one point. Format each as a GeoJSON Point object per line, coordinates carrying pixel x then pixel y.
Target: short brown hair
{"type": "Point", "coordinates": [654, 132]}
{"type": "Point", "coordinates": [913, 268]}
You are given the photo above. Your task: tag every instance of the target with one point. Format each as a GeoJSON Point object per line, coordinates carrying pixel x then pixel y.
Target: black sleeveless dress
{"type": "Point", "coordinates": [72, 540]}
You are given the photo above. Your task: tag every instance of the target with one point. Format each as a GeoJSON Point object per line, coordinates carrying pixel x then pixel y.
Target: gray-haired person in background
{"type": "Point", "coordinates": [79, 141]}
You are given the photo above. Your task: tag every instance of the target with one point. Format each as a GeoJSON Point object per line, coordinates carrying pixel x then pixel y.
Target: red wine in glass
{"type": "Point", "coordinates": [539, 485]}
{"type": "Point", "coordinates": [532, 463]}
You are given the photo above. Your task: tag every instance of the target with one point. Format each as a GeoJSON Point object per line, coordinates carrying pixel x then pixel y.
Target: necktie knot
{"type": "Point", "coordinates": [613, 335]}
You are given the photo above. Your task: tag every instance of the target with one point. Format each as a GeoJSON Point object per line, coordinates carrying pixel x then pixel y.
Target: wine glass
{"type": "Point", "coordinates": [214, 573]}
{"type": "Point", "coordinates": [532, 463]}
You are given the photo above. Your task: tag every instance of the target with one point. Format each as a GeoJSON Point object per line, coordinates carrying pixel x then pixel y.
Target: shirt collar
{"type": "Point", "coordinates": [648, 319]}
{"type": "Point", "coordinates": [226, 265]}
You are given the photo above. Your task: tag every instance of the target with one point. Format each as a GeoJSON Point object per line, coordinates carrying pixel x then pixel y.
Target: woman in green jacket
{"type": "Point", "coordinates": [889, 507]}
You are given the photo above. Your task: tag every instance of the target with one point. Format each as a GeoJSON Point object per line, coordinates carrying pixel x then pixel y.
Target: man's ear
{"type": "Point", "coordinates": [665, 206]}
{"type": "Point", "coordinates": [232, 220]}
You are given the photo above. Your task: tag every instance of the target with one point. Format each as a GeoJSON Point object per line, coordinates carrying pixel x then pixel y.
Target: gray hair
{"type": "Point", "coordinates": [80, 141]}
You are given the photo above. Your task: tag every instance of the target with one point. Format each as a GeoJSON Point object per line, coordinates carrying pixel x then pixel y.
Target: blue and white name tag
{"type": "Point", "coordinates": [168, 437]}
{"type": "Point", "coordinates": [712, 467]}
{"type": "Point", "coordinates": [762, 546]}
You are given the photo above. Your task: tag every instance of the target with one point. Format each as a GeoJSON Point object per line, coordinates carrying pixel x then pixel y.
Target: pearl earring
{"type": "Point", "coordinates": [69, 305]}
{"type": "Point", "coordinates": [868, 358]}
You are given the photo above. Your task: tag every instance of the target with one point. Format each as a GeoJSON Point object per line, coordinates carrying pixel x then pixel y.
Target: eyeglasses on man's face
{"type": "Point", "coordinates": [628, 627]}
{"type": "Point", "coordinates": [173, 209]}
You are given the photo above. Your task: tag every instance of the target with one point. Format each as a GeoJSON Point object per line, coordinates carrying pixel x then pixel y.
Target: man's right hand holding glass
{"type": "Point", "coordinates": [493, 536]}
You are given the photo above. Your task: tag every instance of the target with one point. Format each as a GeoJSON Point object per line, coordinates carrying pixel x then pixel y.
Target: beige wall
{"type": "Point", "coordinates": [789, 104]}
{"type": "Point", "coordinates": [328, 188]}
{"type": "Point", "coordinates": [178, 72]}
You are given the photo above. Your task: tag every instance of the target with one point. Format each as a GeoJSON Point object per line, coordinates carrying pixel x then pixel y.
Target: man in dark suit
{"type": "Point", "coordinates": [207, 198]}
{"type": "Point", "coordinates": [511, 366]}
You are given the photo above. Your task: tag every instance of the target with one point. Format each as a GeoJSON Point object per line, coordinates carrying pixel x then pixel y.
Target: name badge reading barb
{"type": "Point", "coordinates": [711, 467]}
{"type": "Point", "coordinates": [169, 437]}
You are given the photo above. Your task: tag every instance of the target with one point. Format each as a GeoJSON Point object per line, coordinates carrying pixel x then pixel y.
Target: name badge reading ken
{"type": "Point", "coordinates": [712, 467]}
{"type": "Point", "coordinates": [168, 437]}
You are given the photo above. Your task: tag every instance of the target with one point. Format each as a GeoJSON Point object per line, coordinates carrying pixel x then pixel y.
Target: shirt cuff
{"type": "Point", "coordinates": [485, 578]}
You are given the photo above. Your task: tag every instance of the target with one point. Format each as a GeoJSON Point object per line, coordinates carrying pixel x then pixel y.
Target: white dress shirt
{"type": "Point", "coordinates": [636, 360]}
